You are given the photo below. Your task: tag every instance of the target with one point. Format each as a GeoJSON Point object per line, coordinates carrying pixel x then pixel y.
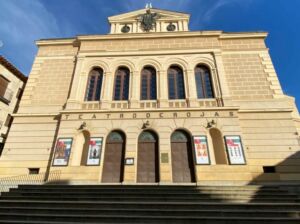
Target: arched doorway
{"type": "Point", "coordinates": [183, 169]}
{"type": "Point", "coordinates": [113, 166]}
{"type": "Point", "coordinates": [218, 144]}
{"type": "Point", "coordinates": [147, 164]}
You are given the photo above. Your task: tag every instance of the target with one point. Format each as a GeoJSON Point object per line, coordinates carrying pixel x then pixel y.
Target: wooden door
{"type": "Point", "coordinates": [147, 166]}
{"type": "Point", "coordinates": [183, 170]}
{"type": "Point", "coordinates": [113, 167]}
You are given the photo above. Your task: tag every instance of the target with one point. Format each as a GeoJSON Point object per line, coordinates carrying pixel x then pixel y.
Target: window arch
{"type": "Point", "coordinates": [94, 85]}
{"type": "Point", "coordinates": [148, 83]}
{"type": "Point", "coordinates": [203, 82]}
{"type": "Point", "coordinates": [121, 88]}
{"type": "Point", "coordinates": [176, 83]}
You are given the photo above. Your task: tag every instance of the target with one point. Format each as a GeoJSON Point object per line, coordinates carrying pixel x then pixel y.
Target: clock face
{"type": "Point", "coordinates": [171, 27]}
{"type": "Point", "coordinates": [125, 29]}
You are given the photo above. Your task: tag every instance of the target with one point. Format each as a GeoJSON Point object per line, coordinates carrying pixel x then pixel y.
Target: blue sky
{"type": "Point", "coordinates": [24, 21]}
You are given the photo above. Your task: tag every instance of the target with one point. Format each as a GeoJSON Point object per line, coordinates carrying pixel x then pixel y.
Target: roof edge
{"type": "Point", "coordinates": [9, 66]}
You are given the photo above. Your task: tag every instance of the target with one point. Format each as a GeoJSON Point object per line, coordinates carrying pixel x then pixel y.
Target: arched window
{"type": "Point", "coordinates": [121, 89]}
{"type": "Point", "coordinates": [176, 83]}
{"type": "Point", "coordinates": [203, 82]}
{"type": "Point", "coordinates": [148, 84]}
{"type": "Point", "coordinates": [94, 85]}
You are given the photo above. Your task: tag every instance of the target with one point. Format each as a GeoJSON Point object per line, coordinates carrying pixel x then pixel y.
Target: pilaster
{"type": "Point", "coordinates": [74, 101]}
{"type": "Point", "coordinates": [222, 90]}
{"type": "Point", "coordinates": [163, 89]}
{"type": "Point", "coordinates": [135, 89]}
{"type": "Point", "coordinates": [191, 88]}
{"type": "Point", "coordinates": [107, 88]}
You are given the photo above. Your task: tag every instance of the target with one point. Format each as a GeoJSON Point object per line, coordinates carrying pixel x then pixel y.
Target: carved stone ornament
{"type": "Point", "coordinates": [148, 20]}
{"type": "Point", "coordinates": [125, 29]}
{"type": "Point", "coordinates": [171, 27]}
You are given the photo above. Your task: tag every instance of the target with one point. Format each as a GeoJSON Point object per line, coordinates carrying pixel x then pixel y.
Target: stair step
{"type": "Point", "coordinates": [161, 187]}
{"type": "Point", "coordinates": [147, 212]}
{"type": "Point", "coordinates": [164, 191]}
{"type": "Point", "coordinates": [131, 218]}
{"type": "Point", "coordinates": [150, 194]}
{"type": "Point", "coordinates": [150, 198]}
{"type": "Point", "coordinates": [159, 205]}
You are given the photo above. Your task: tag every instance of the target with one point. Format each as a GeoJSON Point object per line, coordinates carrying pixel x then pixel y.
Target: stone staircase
{"type": "Point", "coordinates": [150, 204]}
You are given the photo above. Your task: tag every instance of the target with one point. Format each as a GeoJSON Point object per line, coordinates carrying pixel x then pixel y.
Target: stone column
{"type": "Point", "coordinates": [180, 26]}
{"type": "Point", "coordinates": [134, 28]}
{"type": "Point", "coordinates": [107, 88]}
{"type": "Point", "coordinates": [134, 89]}
{"type": "Point", "coordinates": [163, 89]}
{"type": "Point", "coordinates": [74, 101]}
{"type": "Point", "coordinates": [191, 88]}
{"type": "Point", "coordinates": [221, 79]}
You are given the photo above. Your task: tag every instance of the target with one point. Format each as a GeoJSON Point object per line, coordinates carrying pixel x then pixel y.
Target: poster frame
{"type": "Point", "coordinates": [227, 150]}
{"type": "Point", "coordinates": [100, 153]}
{"type": "Point", "coordinates": [58, 139]}
{"type": "Point", "coordinates": [194, 149]}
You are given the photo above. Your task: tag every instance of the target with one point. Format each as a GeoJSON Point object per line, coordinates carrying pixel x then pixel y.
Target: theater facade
{"type": "Point", "coordinates": [153, 102]}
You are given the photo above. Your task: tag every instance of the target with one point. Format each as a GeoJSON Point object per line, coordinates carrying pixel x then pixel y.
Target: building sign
{"type": "Point", "coordinates": [235, 150]}
{"type": "Point", "coordinates": [164, 157]}
{"type": "Point", "coordinates": [150, 115]}
{"type": "Point", "coordinates": [62, 152]}
{"type": "Point", "coordinates": [129, 161]}
{"type": "Point", "coordinates": [95, 148]}
{"type": "Point", "coordinates": [201, 150]}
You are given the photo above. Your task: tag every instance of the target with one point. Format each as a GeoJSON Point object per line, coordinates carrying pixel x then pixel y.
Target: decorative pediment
{"type": "Point", "coordinates": [149, 20]}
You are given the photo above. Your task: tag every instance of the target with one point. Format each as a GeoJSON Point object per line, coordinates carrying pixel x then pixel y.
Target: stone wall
{"type": "Point", "coordinates": [246, 77]}
{"type": "Point", "coordinates": [28, 146]}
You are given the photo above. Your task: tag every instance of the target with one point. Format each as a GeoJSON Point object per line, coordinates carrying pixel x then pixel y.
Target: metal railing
{"type": "Point", "coordinates": [12, 182]}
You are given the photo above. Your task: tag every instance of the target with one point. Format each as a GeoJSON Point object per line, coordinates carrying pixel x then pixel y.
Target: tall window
{"type": "Point", "coordinates": [94, 85]}
{"type": "Point", "coordinates": [121, 89]}
{"type": "Point", "coordinates": [3, 85]}
{"type": "Point", "coordinates": [203, 82]}
{"type": "Point", "coordinates": [176, 83]}
{"type": "Point", "coordinates": [148, 84]}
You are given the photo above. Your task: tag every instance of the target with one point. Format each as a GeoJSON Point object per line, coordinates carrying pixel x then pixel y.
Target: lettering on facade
{"type": "Point", "coordinates": [153, 115]}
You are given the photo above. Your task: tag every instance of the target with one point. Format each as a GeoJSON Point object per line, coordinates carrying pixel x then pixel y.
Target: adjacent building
{"type": "Point", "coordinates": [153, 102]}
{"type": "Point", "coordinates": [12, 84]}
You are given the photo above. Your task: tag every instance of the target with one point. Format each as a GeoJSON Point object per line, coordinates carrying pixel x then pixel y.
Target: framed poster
{"type": "Point", "coordinates": [94, 153]}
{"type": "Point", "coordinates": [235, 150]}
{"type": "Point", "coordinates": [62, 151]}
{"type": "Point", "coordinates": [201, 150]}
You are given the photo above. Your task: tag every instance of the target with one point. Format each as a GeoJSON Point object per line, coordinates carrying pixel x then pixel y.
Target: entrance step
{"type": "Point", "coordinates": [149, 204]}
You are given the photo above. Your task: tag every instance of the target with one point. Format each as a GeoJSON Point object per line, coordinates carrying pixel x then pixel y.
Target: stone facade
{"type": "Point", "coordinates": [248, 102]}
{"type": "Point", "coordinates": [11, 88]}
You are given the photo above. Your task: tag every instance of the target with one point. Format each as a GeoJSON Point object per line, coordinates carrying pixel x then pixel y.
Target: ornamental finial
{"type": "Point", "coordinates": [148, 6]}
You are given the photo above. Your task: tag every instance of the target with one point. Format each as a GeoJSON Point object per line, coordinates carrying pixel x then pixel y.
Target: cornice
{"type": "Point", "coordinates": [9, 66]}
{"type": "Point", "coordinates": [217, 33]}
{"type": "Point", "coordinates": [58, 41]}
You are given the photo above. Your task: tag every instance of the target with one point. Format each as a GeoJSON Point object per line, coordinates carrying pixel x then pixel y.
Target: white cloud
{"type": "Point", "coordinates": [208, 15]}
